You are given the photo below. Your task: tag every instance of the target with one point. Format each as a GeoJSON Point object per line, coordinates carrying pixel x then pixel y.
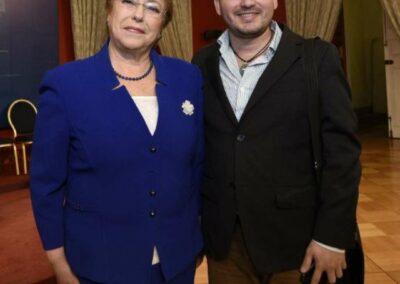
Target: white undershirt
{"type": "Point", "coordinates": [148, 107]}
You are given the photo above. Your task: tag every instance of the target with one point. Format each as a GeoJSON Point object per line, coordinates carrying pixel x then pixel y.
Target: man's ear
{"type": "Point", "coordinates": [217, 7]}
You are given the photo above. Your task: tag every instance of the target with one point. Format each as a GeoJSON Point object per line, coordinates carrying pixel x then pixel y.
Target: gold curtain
{"type": "Point", "coordinates": [392, 9]}
{"type": "Point", "coordinates": [177, 38]}
{"type": "Point", "coordinates": [88, 26]}
{"type": "Point", "coordinates": [311, 18]}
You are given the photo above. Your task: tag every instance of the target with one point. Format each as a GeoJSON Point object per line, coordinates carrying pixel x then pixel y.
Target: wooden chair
{"type": "Point", "coordinates": [9, 143]}
{"type": "Point", "coordinates": [21, 117]}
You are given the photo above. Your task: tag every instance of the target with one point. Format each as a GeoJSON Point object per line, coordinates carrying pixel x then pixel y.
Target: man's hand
{"type": "Point", "coordinates": [324, 260]}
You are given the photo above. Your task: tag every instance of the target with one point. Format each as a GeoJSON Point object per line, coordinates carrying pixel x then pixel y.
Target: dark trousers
{"type": "Point", "coordinates": [237, 268]}
{"type": "Point", "coordinates": [157, 277]}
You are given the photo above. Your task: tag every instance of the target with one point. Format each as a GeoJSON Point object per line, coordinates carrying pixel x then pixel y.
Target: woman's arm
{"type": "Point", "coordinates": [49, 173]}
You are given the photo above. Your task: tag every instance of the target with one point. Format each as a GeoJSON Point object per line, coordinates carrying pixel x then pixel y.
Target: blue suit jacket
{"type": "Point", "coordinates": [102, 186]}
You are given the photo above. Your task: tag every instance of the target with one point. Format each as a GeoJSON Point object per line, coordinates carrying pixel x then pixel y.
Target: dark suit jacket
{"type": "Point", "coordinates": [261, 168]}
{"type": "Point", "coordinates": [102, 186]}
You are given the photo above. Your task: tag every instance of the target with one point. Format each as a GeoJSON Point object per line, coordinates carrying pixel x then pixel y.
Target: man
{"type": "Point", "coordinates": [265, 217]}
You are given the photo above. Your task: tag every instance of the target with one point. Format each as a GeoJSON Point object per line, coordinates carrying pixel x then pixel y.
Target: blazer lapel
{"type": "Point", "coordinates": [104, 69]}
{"type": "Point", "coordinates": [287, 53]}
{"type": "Point", "coordinates": [214, 77]}
{"type": "Point", "coordinates": [118, 101]}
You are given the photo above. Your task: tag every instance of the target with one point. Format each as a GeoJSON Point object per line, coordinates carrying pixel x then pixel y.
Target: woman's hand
{"type": "Point", "coordinates": [199, 260]}
{"type": "Point", "coordinates": [64, 274]}
{"type": "Point", "coordinates": [61, 267]}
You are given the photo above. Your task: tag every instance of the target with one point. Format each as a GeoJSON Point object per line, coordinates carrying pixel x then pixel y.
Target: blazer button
{"type": "Point", "coordinates": [240, 137]}
{"type": "Point", "coordinates": [153, 150]}
{"type": "Point", "coordinates": [153, 193]}
{"type": "Point", "coordinates": [152, 214]}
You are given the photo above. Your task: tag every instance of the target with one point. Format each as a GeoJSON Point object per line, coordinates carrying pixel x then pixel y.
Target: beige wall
{"type": "Point", "coordinates": [365, 55]}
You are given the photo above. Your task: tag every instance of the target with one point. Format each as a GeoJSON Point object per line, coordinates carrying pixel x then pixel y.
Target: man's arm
{"type": "Point", "coordinates": [335, 225]}
{"type": "Point", "coordinates": [341, 170]}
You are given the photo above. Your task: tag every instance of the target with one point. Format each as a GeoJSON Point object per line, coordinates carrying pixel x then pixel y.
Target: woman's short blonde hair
{"type": "Point", "coordinates": [167, 14]}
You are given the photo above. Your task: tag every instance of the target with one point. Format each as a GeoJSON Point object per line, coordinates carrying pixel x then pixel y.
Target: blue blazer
{"type": "Point", "coordinates": [105, 188]}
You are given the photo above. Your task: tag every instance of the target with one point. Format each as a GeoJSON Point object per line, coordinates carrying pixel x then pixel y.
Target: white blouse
{"type": "Point", "coordinates": [148, 107]}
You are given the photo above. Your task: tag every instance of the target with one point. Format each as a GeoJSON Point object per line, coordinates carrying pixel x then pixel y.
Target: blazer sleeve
{"type": "Point", "coordinates": [48, 169]}
{"type": "Point", "coordinates": [341, 170]}
{"type": "Point", "coordinates": [199, 156]}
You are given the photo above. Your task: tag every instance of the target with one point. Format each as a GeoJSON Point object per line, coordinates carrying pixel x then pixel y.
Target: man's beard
{"type": "Point", "coordinates": [239, 33]}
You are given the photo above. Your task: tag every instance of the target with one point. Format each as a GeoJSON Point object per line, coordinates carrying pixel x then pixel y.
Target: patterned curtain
{"type": "Point", "coordinates": [88, 26]}
{"type": "Point", "coordinates": [177, 38]}
{"type": "Point", "coordinates": [392, 9]}
{"type": "Point", "coordinates": [311, 18]}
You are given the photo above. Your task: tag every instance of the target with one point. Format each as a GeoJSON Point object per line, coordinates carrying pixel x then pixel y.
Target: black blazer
{"type": "Point", "coordinates": [261, 168]}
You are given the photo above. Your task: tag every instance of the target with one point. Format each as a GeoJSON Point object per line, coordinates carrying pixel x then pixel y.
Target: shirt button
{"type": "Point", "coordinates": [152, 214]}
{"type": "Point", "coordinates": [153, 150]}
{"type": "Point", "coordinates": [153, 193]}
{"type": "Point", "coordinates": [240, 138]}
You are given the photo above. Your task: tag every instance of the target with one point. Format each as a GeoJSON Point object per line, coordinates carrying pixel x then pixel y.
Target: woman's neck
{"type": "Point", "coordinates": [128, 61]}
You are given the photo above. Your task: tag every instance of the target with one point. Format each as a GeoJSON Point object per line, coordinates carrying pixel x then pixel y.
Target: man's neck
{"type": "Point", "coordinates": [247, 47]}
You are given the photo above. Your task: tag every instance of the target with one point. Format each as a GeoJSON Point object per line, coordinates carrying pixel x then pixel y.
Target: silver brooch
{"type": "Point", "coordinates": [187, 108]}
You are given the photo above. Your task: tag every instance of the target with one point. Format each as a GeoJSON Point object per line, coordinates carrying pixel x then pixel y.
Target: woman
{"type": "Point", "coordinates": [117, 158]}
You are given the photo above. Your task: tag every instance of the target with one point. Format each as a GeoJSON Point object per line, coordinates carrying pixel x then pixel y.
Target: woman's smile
{"type": "Point", "coordinates": [135, 30]}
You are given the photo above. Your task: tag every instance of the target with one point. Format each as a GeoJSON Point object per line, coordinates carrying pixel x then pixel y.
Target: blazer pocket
{"type": "Point", "coordinates": [85, 245]}
{"type": "Point", "coordinates": [78, 206]}
{"type": "Point", "coordinates": [296, 197]}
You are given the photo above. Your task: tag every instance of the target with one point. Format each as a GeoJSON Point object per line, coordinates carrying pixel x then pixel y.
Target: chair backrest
{"type": "Point", "coordinates": [21, 117]}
